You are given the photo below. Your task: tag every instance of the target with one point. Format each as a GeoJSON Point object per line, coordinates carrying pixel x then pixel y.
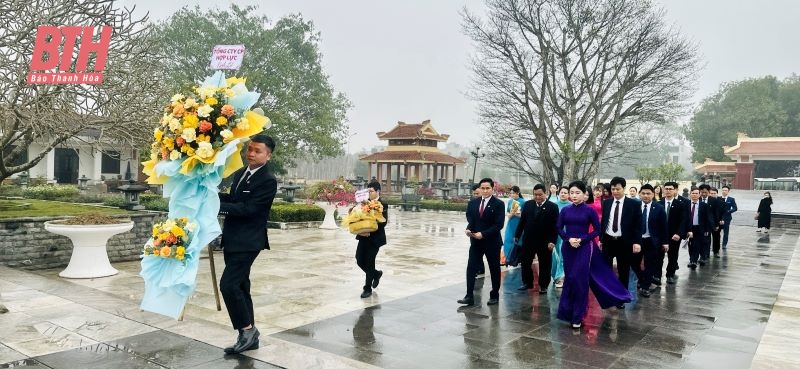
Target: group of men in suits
{"type": "Point", "coordinates": [637, 233]}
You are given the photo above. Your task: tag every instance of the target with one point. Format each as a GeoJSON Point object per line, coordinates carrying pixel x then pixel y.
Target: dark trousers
{"type": "Point", "coordinates": [650, 254]}
{"type": "Point", "coordinates": [725, 228]}
{"type": "Point", "coordinates": [235, 287]}
{"type": "Point", "coordinates": [672, 260]}
{"type": "Point", "coordinates": [621, 250]}
{"type": "Point", "coordinates": [545, 257]}
{"type": "Point", "coordinates": [715, 235]}
{"type": "Point", "coordinates": [366, 253]}
{"type": "Point", "coordinates": [697, 244]}
{"type": "Point", "coordinates": [477, 250]}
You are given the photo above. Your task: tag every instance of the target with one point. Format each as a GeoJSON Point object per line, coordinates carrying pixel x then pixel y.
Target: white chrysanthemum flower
{"type": "Point", "coordinates": [189, 135]}
{"type": "Point", "coordinates": [174, 155]}
{"type": "Point", "coordinates": [206, 92]}
{"type": "Point", "coordinates": [176, 98]}
{"type": "Point", "coordinates": [226, 134]}
{"type": "Point", "coordinates": [190, 103]}
{"type": "Point", "coordinates": [174, 124]}
{"type": "Point", "coordinates": [204, 150]}
{"type": "Point", "coordinates": [168, 224]}
{"type": "Point", "coordinates": [191, 227]}
{"type": "Point", "coordinates": [204, 110]}
{"type": "Point", "coordinates": [243, 124]}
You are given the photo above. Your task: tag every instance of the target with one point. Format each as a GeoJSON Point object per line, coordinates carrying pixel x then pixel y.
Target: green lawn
{"type": "Point", "coordinates": [43, 208]}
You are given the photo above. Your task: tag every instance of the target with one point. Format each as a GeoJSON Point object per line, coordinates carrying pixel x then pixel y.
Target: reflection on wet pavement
{"type": "Point", "coordinates": [307, 307]}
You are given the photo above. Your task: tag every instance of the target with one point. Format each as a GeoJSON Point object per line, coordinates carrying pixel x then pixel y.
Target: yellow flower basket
{"type": "Point", "coordinates": [362, 226]}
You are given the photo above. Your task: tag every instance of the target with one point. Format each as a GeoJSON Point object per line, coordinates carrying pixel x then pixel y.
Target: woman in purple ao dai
{"type": "Point", "coordinates": [584, 266]}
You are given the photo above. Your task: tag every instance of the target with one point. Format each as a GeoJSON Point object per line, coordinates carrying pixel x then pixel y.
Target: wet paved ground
{"type": "Point", "coordinates": [740, 310]}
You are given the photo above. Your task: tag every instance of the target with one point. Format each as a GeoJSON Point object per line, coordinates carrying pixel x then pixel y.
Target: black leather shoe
{"type": "Point", "coordinates": [377, 279]}
{"type": "Point", "coordinates": [249, 341]}
{"type": "Point", "coordinates": [524, 287]}
{"type": "Point", "coordinates": [467, 301]}
{"type": "Point", "coordinates": [229, 349]}
{"type": "Point", "coordinates": [716, 255]}
{"type": "Point", "coordinates": [493, 301]}
{"type": "Point", "coordinates": [670, 280]}
{"type": "Point", "coordinates": [702, 262]}
{"type": "Point", "coordinates": [366, 294]}
{"type": "Point", "coordinates": [644, 292]}
{"type": "Point", "coordinates": [692, 266]}
{"type": "Point", "coordinates": [656, 281]}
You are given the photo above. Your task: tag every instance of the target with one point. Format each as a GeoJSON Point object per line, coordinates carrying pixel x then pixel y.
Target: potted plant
{"type": "Point", "coordinates": [329, 195]}
{"type": "Point", "coordinates": [89, 234]}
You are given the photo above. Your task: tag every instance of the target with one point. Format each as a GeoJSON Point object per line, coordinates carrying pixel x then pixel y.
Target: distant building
{"type": "Point", "coordinates": [412, 151]}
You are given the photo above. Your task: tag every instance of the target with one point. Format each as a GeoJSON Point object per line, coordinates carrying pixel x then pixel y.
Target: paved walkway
{"type": "Point", "coordinates": [737, 312]}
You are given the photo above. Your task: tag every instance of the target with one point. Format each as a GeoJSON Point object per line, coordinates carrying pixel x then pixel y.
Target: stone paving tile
{"type": "Point", "coordinates": [306, 294]}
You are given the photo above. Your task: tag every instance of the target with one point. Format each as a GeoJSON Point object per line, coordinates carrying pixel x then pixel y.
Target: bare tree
{"type": "Point", "coordinates": [120, 110]}
{"type": "Point", "coordinates": [561, 82]}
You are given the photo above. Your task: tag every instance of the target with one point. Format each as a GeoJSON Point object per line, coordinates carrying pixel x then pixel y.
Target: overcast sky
{"type": "Point", "coordinates": [408, 60]}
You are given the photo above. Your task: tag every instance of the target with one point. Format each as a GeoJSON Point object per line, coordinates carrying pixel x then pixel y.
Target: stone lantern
{"type": "Point", "coordinates": [23, 180]}
{"type": "Point", "coordinates": [132, 191]}
{"type": "Point", "coordinates": [82, 182]}
{"type": "Point", "coordinates": [445, 192]}
{"type": "Point", "coordinates": [290, 189]}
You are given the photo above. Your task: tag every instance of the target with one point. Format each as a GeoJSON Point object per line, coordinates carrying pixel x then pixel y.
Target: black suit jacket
{"type": "Point", "coordinates": [717, 208]}
{"type": "Point", "coordinates": [705, 220]}
{"type": "Point", "coordinates": [657, 224]}
{"type": "Point", "coordinates": [246, 211]}
{"type": "Point", "coordinates": [630, 222]}
{"type": "Point", "coordinates": [490, 224]}
{"type": "Point", "coordinates": [678, 214]}
{"type": "Point", "coordinates": [378, 238]}
{"type": "Point", "coordinates": [537, 224]}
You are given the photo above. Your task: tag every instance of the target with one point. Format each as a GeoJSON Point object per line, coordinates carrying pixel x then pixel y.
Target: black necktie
{"type": "Point", "coordinates": [614, 226]}
{"type": "Point", "coordinates": [644, 220]}
{"type": "Point", "coordinates": [244, 179]}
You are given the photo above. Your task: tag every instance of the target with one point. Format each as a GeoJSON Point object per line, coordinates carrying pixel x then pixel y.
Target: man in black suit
{"type": "Point", "coordinates": [716, 235]}
{"type": "Point", "coordinates": [538, 226]}
{"type": "Point", "coordinates": [702, 223]}
{"type": "Point", "coordinates": [677, 212]}
{"type": "Point", "coordinates": [369, 244]}
{"type": "Point", "coordinates": [244, 235]}
{"type": "Point", "coordinates": [622, 230]}
{"type": "Point", "coordinates": [708, 195]}
{"type": "Point", "coordinates": [654, 239]}
{"type": "Point", "coordinates": [727, 215]}
{"type": "Point", "coordinates": [485, 219]}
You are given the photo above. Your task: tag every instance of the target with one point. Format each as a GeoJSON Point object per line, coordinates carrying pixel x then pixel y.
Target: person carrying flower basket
{"type": "Point", "coordinates": [374, 214]}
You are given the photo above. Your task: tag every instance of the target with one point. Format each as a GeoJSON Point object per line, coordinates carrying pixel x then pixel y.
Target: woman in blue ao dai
{"type": "Point", "coordinates": [513, 213]}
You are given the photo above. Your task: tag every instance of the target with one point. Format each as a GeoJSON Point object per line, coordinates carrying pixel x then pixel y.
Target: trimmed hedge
{"type": "Point", "coordinates": [11, 191]}
{"type": "Point", "coordinates": [51, 192]}
{"type": "Point", "coordinates": [289, 212]}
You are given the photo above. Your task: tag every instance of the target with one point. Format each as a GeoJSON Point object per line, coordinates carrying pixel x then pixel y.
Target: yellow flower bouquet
{"type": "Point", "coordinates": [196, 126]}
{"type": "Point", "coordinates": [364, 217]}
{"type": "Point", "coordinates": [169, 239]}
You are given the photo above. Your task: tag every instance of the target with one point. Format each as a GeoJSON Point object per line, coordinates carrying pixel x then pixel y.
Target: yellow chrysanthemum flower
{"type": "Point", "coordinates": [212, 101]}
{"type": "Point", "coordinates": [189, 151]}
{"type": "Point", "coordinates": [168, 143]}
{"type": "Point", "coordinates": [234, 80]}
{"type": "Point", "coordinates": [177, 231]}
{"type": "Point", "coordinates": [190, 121]}
{"type": "Point", "coordinates": [158, 134]}
{"type": "Point", "coordinates": [203, 138]}
{"type": "Point", "coordinates": [221, 121]}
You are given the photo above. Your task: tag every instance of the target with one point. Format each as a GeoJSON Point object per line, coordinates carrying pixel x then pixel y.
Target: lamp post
{"type": "Point", "coordinates": [476, 154]}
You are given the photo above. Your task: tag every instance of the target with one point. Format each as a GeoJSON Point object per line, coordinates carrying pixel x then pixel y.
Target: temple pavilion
{"type": "Point", "coordinates": [412, 151]}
